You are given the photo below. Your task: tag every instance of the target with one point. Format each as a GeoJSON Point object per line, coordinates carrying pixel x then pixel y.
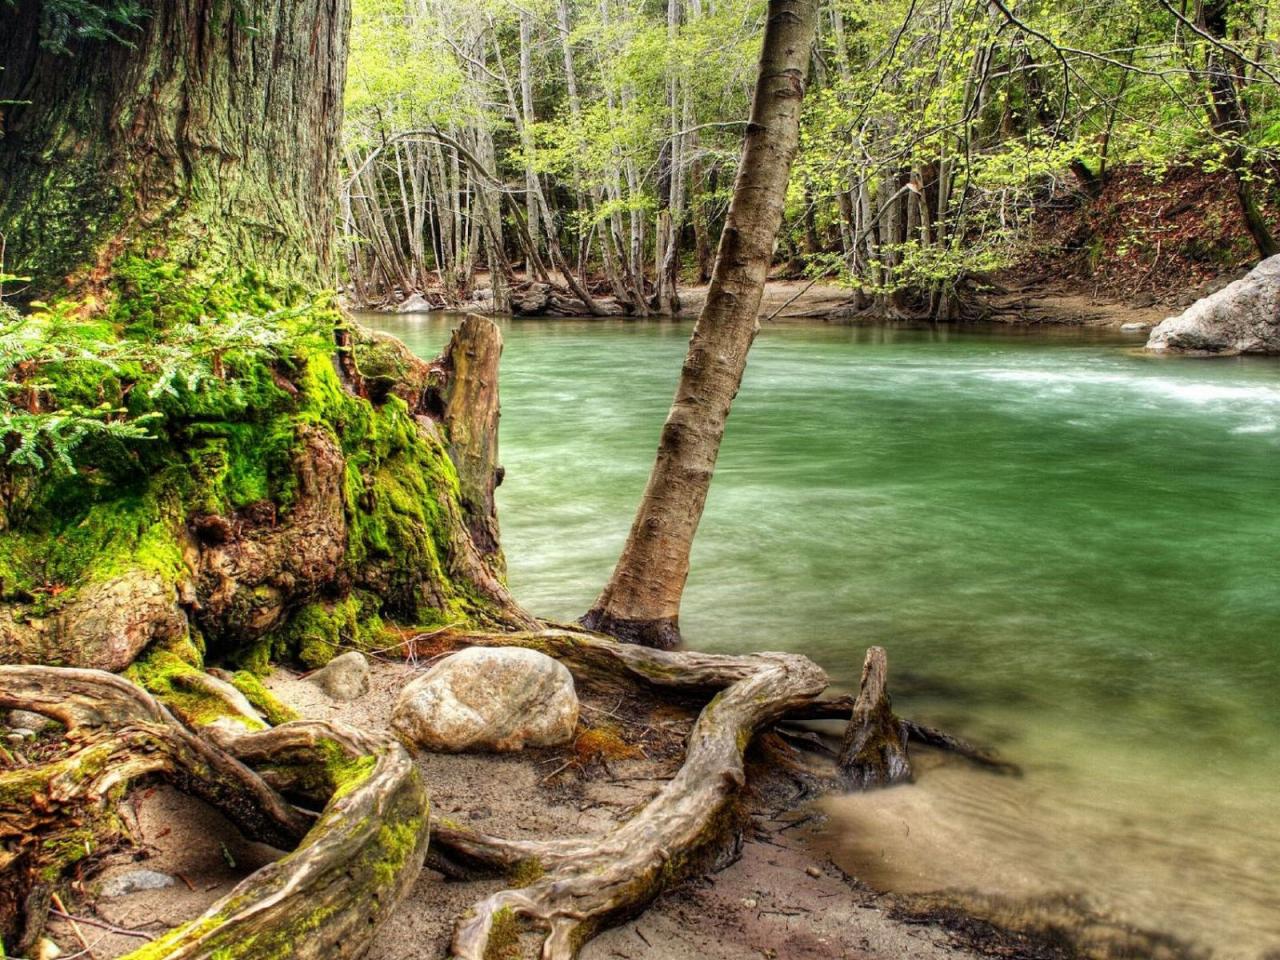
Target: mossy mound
{"type": "Point", "coordinates": [272, 509]}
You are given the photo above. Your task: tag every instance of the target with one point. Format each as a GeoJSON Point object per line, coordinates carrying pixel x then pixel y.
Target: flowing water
{"type": "Point", "coordinates": [1070, 550]}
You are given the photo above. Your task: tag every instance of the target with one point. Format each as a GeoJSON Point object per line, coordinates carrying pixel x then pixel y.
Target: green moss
{"type": "Point", "coordinates": [527, 872]}
{"type": "Point", "coordinates": [160, 672]}
{"type": "Point", "coordinates": [235, 444]}
{"type": "Point", "coordinates": [318, 632]}
{"type": "Point", "coordinates": [504, 936]}
{"type": "Point", "coordinates": [263, 700]}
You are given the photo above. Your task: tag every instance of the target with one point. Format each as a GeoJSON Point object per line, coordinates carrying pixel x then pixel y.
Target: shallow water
{"type": "Point", "coordinates": [1071, 551]}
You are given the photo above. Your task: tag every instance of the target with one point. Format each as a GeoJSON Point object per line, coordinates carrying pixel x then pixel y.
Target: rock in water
{"type": "Point", "coordinates": [345, 677]}
{"type": "Point", "coordinates": [1242, 317]}
{"type": "Point", "coordinates": [482, 698]}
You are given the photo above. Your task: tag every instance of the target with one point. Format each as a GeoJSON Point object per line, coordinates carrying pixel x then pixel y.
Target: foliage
{"type": "Point", "coordinates": [935, 133]}
{"type": "Point", "coordinates": [65, 381]}
{"type": "Point", "coordinates": [63, 21]}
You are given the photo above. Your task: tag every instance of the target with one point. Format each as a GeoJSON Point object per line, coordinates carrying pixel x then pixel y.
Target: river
{"type": "Point", "coordinates": [1070, 550]}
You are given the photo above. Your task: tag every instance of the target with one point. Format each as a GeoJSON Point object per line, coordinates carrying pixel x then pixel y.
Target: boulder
{"type": "Point", "coordinates": [489, 699]}
{"type": "Point", "coordinates": [345, 677]}
{"type": "Point", "coordinates": [415, 303]}
{"type": "Point", "coordinates": [1242, 317]}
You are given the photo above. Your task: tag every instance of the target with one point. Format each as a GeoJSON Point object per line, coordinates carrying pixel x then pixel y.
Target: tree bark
{"type": "Point", "coordinates": [641, 602]}
{"type": "Point", "coordinates": [211, 136]}
{"type": "Point", "coordinates": [874, 750]}
{"type": "Point", "coordinates": [1230, 121]}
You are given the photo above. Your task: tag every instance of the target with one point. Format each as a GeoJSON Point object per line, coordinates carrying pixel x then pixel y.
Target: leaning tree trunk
{"type": "Point", "coordinates": [641, 602]}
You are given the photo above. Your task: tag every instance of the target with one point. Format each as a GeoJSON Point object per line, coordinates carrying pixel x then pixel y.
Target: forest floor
{"type": "Point", "coordinates": [779, 896]}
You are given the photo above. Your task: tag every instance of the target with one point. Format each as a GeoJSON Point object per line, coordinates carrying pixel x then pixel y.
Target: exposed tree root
{"type": "Point", "coordinates": [325, 899]}
{"type": "Point", "coordinates": [577, 886]}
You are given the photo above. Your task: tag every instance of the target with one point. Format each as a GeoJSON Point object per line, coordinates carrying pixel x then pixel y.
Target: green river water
{"type": "Point", "coordinates": [1070, 550]}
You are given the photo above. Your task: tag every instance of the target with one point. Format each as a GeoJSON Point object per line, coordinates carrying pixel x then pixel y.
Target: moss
{"type": "Point", "coordinates": [504, 936]}
{"type": "Point", "coordinates": [602, 742]}
{"type": "Point", "coordinates": [223, 449]}
{"type": "Point", "coordinates": [318, 632]}
{"type": "Point", "coordinates": [263, 700]}
{"type": "Point", "coordinates": [526, 872]}
{"type": "Point", "coordinates": [160, 672]}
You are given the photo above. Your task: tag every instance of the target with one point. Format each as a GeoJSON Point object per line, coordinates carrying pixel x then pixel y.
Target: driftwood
{"type": "Point", "coordinates": [873, 752]}
{"type": "Point", "coordinates": [354, 862]}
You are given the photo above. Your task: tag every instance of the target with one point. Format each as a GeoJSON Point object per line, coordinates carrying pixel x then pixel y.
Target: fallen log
{"type": "Point", "coordinates": [353, 864]}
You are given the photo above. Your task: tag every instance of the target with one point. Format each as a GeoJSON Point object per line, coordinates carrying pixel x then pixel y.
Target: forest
{"type": "Point", "coordinates": [880, 402]}
{"type": "Point", "coordinates": [595, 145]}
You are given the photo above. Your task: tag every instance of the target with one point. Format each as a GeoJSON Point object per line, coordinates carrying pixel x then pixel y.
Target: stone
{"type": "Point", "coordinates": [345, 677]}
{"type": "Point", "coordinates": [135, 881]}
{"type": "Point", "coordinates": [1242, 317]}
{"type": "Point", "coordinates": [26, 720]}
{"type": "Point", "coordinates": [1134, 327]}
{"type": "Point", "coordinates": [489, 699]}
{"type": "Point", "coordinates": [415, 303]}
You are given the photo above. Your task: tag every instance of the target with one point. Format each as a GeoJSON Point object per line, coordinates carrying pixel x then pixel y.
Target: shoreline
{"type": "Point", "coordinates": [804, 301]}
{"type": "Point", "coordinates": [774, 893]}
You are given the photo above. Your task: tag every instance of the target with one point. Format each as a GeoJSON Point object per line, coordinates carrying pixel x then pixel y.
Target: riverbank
{"type": "Point", "coordinates": [1071, 303]}
{"type": "Point", "coordinates": [776, 895]}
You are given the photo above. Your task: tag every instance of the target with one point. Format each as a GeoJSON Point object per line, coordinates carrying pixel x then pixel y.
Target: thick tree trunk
{"type": "Point", "coordinates": [187, 178]}
{"type": "Point", "coordinates": [211, 139]}
{"type": "Point", "coordinates": [642, 599]}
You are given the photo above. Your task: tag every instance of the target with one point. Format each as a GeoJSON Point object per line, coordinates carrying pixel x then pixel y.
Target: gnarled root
{"type": "Point", "coordinates": [325, 899]}
{"type": "Point", "coordinates": [583, 884]}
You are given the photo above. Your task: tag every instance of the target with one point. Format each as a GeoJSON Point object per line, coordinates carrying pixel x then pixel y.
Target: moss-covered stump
{"type": "Point", "coordinates": [326, 898]}
{"type": "Point", "coordinates": [275, 508]}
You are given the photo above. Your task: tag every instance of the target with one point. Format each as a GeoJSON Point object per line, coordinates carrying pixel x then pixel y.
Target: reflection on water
{"type": "Point", "coordinates": [1070, 550]}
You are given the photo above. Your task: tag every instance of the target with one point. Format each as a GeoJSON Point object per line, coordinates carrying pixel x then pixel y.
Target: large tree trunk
{"type": "Point", "coordinates": [642, 599]}
{"type": "Point", "coordinates": [209, 139]}
{"type": "Point", "coordinates": [186, 179]}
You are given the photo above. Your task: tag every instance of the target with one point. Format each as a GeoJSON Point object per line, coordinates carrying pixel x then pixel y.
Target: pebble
{"type": "Point", "coordinates": [813, 871]}
{"type": "Point", "coordinates": [135, 881]}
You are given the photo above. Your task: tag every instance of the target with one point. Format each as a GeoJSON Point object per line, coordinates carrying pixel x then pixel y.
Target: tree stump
{"type": "Point", "coordinates": [873, 752]}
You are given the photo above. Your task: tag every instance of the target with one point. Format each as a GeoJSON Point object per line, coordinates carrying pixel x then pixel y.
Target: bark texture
{"type": "Point", "coordinates": [641, 602]}
{"type": "Point", "coordinates": [210, 139]}
{"type": "Point", "coordinates": [873, 752]}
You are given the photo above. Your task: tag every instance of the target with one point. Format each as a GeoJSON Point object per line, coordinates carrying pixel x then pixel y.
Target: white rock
{"type": "Point", "coordinates": [1242, 317]}
{"type": "Point", "coordinates": [345, 677]}
{"type": "Point", "coordinates": [26, 720]}
{"type": "Point", "coordinates": [135, 881]}
{"type": "Point", "coordinates": [494, 699]}
{"type": "Point", "coordinates": [1132, 327]}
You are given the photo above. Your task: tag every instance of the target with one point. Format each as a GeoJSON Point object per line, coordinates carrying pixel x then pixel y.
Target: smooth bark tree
{"type": "Point", "coordinates": [641, 602]}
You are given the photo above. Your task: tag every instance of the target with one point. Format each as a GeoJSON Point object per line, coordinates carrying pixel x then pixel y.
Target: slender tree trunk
{"type": "Point", "coordinates": [641, 602]}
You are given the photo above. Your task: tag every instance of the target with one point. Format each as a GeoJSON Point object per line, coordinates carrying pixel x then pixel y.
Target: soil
{"type": "Point", "coordinates": [779, 897]}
